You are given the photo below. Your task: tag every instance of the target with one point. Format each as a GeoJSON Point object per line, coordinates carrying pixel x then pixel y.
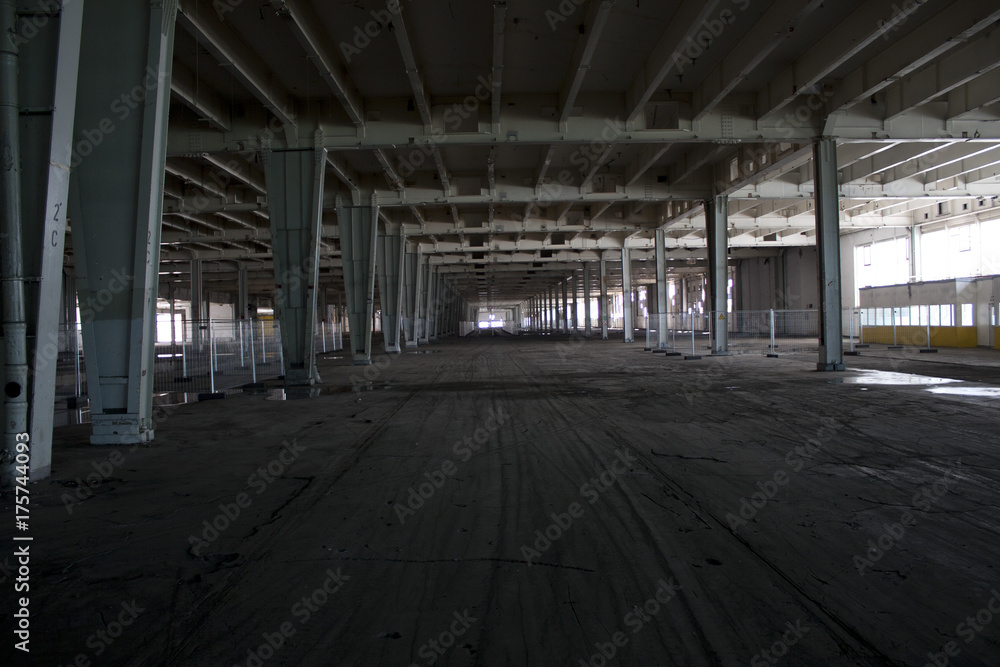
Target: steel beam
{"type": "Point", "coordinates": [127, 46]}
{"type": "Point", "coordinates": [295, 181]}
{"type": "Point", "coordinates": [596, 19]}
{"type": "Point", "coordinates": [423, 289]}
{"type": "Point", "coordinates": [198, 310]}
{"type": "Point", "coordinates": [390, 257]}
{"type": "Point", "coordinates": [661, 287]}
{"type": "Point", "coordinates": [358, 241]}
{"type": "Point", "coordinates": [627, 305]}
{"type": "Point", "coordinates": [831, 344]}
{"type": "Point", "coordinates": [410, 298]}
{"type": "Point", "coordinates": [602, 305]}
{"type": "Point", "coordinates": [565, 306]}
{"type": "Point", "coordinates": [717, 227]}
{"type": "Point", "coordinates": [49, 66]}
{"type": "Point", "coordinates": [576, 308]}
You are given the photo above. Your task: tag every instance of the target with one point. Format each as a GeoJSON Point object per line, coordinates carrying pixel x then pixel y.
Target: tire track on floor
{"type": "Point", "coordinates": [298, 513]}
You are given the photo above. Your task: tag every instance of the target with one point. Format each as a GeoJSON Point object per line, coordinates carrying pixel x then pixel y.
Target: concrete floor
{"type": "Point", "coordinates": [706, 512]}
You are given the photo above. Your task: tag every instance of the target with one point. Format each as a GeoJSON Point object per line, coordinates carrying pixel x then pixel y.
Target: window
{"type": "Point", "coordinates": [163, 328]}
{"type": "Point", "coordinates": [968, 315]}
{"type": "Point", "coordinates": [948, 315]}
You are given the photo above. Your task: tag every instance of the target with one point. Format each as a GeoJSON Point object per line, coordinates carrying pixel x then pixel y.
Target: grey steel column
{"type": "Point", "coordinates": [358, 231]}
{"type": "Point", "coordinates": [551, 311]}
{"type": "Point", "coordinates": [420, 296]}
{"type": "Point", "coordinates": [14, 321]}
{"type": "Point", "coordinates": [546, 308]}
{"type": "Point", "coordinates": [831, 341]}
{"type": "Point", "coordinates": [576, 305]}
{"type": "Point", "coordinates": [602, 305]}
{"type": "Point", "coordinates": [48, 80]}
{"type": "Point", "coordinates": [627, 295]}
{"type": "Point", "coordinates": [197, 302]}
{"type": "Point", "coordinates": [432, 302]}
{"type": "Point", "coordinates": [586, 300]}
{"type": "Point", "coordinates": [295, 180]}
{"type": "Point", "coordinates": [661, 287]}
{"type": "Point", "coordinates": [543, 309]}
{"type": "Point", "coordinates": [717, 227]}
{"type": "Point", "coordinates": [410, 269]}
{"type": "Point", "coordinates": [126, 46]}
{"type": "Point", "coordinates": [565, 304]}
{"type": "Point", "coordinates": [243, 294]}
{"type": "Point", "coordinates": [425, 299]}
{"type": "Point", "coordinates": [389, 261]}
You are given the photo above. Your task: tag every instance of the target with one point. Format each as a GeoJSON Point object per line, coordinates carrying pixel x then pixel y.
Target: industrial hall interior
{"type": "Point", "coordinates": [476, 333]}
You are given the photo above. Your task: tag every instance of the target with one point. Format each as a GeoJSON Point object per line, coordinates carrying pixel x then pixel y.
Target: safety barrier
{"type": "Point", "coordinates": [214, 355]}
{"type": "Point", "coordinates": [329, 337]}
{"type": "Point", "coordinates": [748, 332]}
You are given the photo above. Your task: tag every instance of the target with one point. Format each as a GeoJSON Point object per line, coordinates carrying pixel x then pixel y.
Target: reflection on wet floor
{"type": "Point", "coordinates": [890, 378]}
{"type": "Point", "coordinates": [298, 393]}
{"type": "Point", "coordinates": [964, 391]}
{"type": "Point", "coordinates": [80, 413]}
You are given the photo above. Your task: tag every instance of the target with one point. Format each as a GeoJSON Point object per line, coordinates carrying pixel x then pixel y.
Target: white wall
{"type": "Point", "coordinates": [786, 282]}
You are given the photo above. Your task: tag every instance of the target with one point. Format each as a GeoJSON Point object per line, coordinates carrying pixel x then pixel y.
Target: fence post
{"type": "Point", "coordinates": [253, 360]}
{"type": "Point", "coordinates": [281, 351]}
{"type": "Point", "coordinates": [263, 344]}
{"type": "Point", "coordinates": [894, 327]}
{"type": "Point", "coordinates": [771, 327]}
{"type": "Point", "coordinates": [928, 329]}
{"type": "Point", "coordinates": [211, 354]}
{"type": "Point", "coordinates": [692, 332]}
{"type": "Point", "coordinates": [243, 359]}
{"type": "Point", "coordinates": [184, 359]}
{"type": "Point", "coordinates": [322, 329]}
{"type": "Point", "coordinates": [76, 360]}
{"type": "Point", "coordinates": [852, 330]}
